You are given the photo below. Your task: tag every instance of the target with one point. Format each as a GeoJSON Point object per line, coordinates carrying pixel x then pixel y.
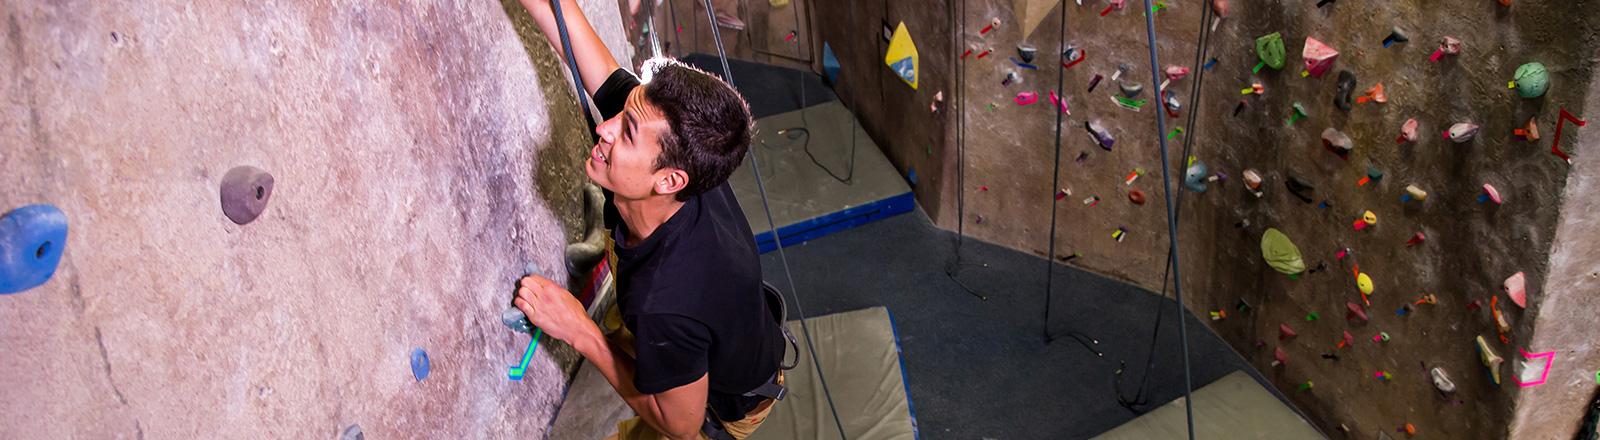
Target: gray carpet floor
{"type": "Point", "coordinates": [981, 368]}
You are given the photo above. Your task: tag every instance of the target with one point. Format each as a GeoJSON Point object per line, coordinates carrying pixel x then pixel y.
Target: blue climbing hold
{"type": "Point", "coordinates": [830, 64]}
{"type": "Point", "coordinates": [419, 364]}
{"type": "Point", "coordinates": [31, 241]}
{"type": "Point", "coordinates": [1195, 177]}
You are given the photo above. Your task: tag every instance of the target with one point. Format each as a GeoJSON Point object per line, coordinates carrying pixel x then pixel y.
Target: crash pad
{"type": "Point", "coordinates": [1280, 253]}
{"type": "Point", "coordinates": [902, 55]}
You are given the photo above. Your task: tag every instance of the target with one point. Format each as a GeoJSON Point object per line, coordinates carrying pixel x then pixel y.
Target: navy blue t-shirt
{"type": "Point", "coordinates": [691, 293]}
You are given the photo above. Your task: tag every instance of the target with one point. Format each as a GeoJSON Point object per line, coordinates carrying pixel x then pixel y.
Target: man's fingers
{"type": "Point", "coordinates": [524, 306]}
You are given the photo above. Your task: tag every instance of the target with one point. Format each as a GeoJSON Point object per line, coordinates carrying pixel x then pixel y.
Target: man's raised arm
{"type": "Point", "coordinates": [595, 62]}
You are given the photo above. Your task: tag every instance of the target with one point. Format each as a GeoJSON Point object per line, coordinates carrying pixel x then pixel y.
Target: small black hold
{"type": "Point", "coordinates": [1300, 188]}
{"type": "Point", "coordinates": [1347, 86]}
{"type": "Point", "coordinates": [1330, 356]}
{"type": "Point", "coordinates": [1242, 105]}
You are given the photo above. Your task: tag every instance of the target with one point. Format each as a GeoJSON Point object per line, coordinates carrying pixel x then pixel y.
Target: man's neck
{"type": "Point", "coordinates": [644, 216]}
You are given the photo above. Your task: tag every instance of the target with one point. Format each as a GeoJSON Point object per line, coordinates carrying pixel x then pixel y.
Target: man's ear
{"type": "Point", "coordinates": [671, 180]}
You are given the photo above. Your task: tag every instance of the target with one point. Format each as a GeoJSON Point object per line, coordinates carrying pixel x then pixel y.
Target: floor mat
{"type": "Point", "coordinates": [860, 358]}
{"type": "Point", "coordinates": [1233, 407]}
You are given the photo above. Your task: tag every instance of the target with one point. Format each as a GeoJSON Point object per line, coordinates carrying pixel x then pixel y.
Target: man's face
{"type": "Point", "coordinates": [624, 160]}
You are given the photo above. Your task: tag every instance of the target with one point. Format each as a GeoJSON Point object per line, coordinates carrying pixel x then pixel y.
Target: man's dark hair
{"type": "Point", "coordinates": [711, 124]}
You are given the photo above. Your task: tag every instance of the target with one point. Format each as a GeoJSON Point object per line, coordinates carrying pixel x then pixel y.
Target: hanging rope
{"type": "Point", "coordinates": [1172, 222]}
{"type": "Point", "coordinates": [572, 64]}
{"type": "Point", "coordinates": [727, 74]}
{"type": "Point", "coordinates": [959, 103]}
{"type": "Point", "coordinates": [1050, 261]}
{"type": "Point", "coordinates": [1201, 51]}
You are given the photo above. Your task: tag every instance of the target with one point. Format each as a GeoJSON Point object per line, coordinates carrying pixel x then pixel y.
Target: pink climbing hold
{"type": "Point", "coordinates": [1355, 311]}
{"type": "Point", "coordinates": [1489, 194]}
{"type": "Point", "coordinates": [1416, 239]}
{"type": "Point", "coordinates": [1279, 356]}
{"type": "Point", "coordinates": [1408, 132]}
{"type": "Point", "coordinates": [1516, 288]}
{"type": "Point", "coordinates": [1447, 46]}
{"type": "Point", "coordinates": [1060, 103]}
{"type": "Point", "coordinates": [1319, 57]}
{"type": "Point", "coordinates": [1284, 332]}
{"type": "Point", "coordinates": [1026, 98]}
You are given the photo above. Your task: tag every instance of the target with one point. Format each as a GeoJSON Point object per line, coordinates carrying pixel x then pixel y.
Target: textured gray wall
{"type": "Point", "coordinates": [423, 158]}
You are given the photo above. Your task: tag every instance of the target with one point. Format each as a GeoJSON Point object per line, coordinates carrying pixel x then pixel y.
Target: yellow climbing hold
{"type": "Point", "coordinates": [1370, 218]}
{"type": "Point", "coordinates": [1364, 283]}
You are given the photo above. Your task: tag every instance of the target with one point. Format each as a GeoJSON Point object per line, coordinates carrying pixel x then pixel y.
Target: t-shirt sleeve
{"type": "Point", "coordinates": [672, 352]}
{"type": "Point", "coordinates": [613, 93]}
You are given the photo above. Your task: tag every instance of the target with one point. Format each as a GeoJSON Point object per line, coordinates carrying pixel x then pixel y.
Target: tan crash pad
{"type": "Point", "coordinates": [860, 357]}
{"type": "Point", "coordinates": [1030, 12]}
{"type": "Point", "coordinates": [1234, 407]}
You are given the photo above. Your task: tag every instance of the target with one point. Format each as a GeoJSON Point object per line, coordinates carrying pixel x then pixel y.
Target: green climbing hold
{"type": "Point", "coordinates": [1532, 80]}
{"type": "Point", "coordinates": [1270, 48]}
{"type": "Point", "coordinates": [1281, 253]}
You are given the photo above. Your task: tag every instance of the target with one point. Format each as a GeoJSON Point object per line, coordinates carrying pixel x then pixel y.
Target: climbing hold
{"type": "Point", "coordinates": [1529, 131]}
{"type": "Point", "coordinates": [245, 192]}
{"type": "Point", "coordinates": [1269, 48]}
{"type": "Point", "coordinates": [1119, 234]}
{"type": "Point", "coordinates": [1489, 194]}
{"type": "Point", "coordinates": [1131, 90]}
{"type": "Point", "coordinates": [830, 63]}
{"type": "Point", "coordinates": [419, 364]}
{"type": "Point", "coordinates": [1373, 175]}
{"type": "Point", "coordinates": [1279, 357]}
{"type": "Point", "coordinates": [1364, 283]}
{"type": "Point", "coordinates": [1136, 196]}
{"type": "Point", "coordinates": [1299, 113]}
{"type": "Point", "coordinates": [1490, 360]}
{"type": "Point", "coordinates": [1381, 337]}
{"type": "Point", "coordinates": [1531, 80]}
{"type": "Point", "coordinates": [1026, 52]}
{"type": "Point", "coordinates": [1061, 104]}
{"type": "Point", "coordinates": [514, 319]}
{"type": "Point", "coordinates": [1408, 132]}
{"type": "Point", "coordinates": [1300, 188]}
{"type": "Point", "coordinates": [1374, 94]}
{"type": "Point", "coordinates": [1461, 132]}
{"type": "Point", "coordinates": [1101, 136]}
{"type": "Point", "coordinates": [1242, 306]}
{"type": "Point", "coordinates": [1063, 193]}
{"type": "Point", "coordinates": [1072, 55]}
{"type": "Point", "coordinates": [1382, 375]}
{"type": "Point", "coordinates": [1012, 77]}
{"type": "Point", "coordinates": [353, 432]}
{"type": "Point", "coordinates": [1555, 144]}
{"type": "Point", "coordinates": [1447, 46]}
{"type": "Point", "coordinates": [1347, 340]}
{"type": "Point", "coordinates": [1307, 386]}
{"type": "Point", "coordinates": [1026, 98]}
{"type": "Point", "coordinates": [1347, 86]}
{"type": "Point", "coordinates": [1121, 69]}
{"type": "Point", "coordinates": [1175, 73]}
{"type": "Point", "coordinates": [1396, 35]}
{"type": "Point", "coordinates": [1023, 64]}
{"type": "Point", "coordinates": [1441, 380]}
{"type": "Point", "coordinates": [1252, 181]}
{"type": "Point", "coordinates": [1516, 288]}
{"type": "Point", "coordinates": [1337, 142]}
{"type": "Point", "coordinates": [32, 239]}
{"type": "Point", "coordinates": [1218, 315]}
{"type": "Point", "coordinates": [1280, 253]}
{"type": "Point", "coordinates": [1195, 177]}
{"type": "Point", "coordinates": [1409, 429]}
{"type": "Point", "coordinates": [1427, 299]}
{"type": "Point", "coordinates": [1311, 317]}
{"type": "Point", "coordinates": [1284, 332]}
{"type": "Point", "coordinates": [1091, 201]}
{"type": "Point", "coordinates": [902, 56]}
{"type": "Point", "coordinates": [1354, 311]}
{"type": "Point", "coordinates": [1318, 57]}
{"type": "Point", "coordinates": [1173, 106]}
{"type": "Point", "coordinates": [1413, 193]}
{"type": "Point", "coordinates": [1095, 81]}
{"type": "Point", "coordinates": [1416, 239]}
{"type": "Point", "coordinates": [1535, 367]}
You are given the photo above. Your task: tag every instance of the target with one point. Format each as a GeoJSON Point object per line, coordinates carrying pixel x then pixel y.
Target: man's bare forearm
{"type": "Point", "coordinates": [618, 369]}
{"type": "Point", "coordinates": [595, 62]}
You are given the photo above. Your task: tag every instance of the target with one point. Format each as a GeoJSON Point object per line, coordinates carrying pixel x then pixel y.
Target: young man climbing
{"type": "Point", "coordinates": [697, 353]}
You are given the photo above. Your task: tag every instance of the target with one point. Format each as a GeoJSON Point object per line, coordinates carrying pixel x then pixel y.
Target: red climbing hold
{"type": "Point", "coordinates": [1284, 332]}
{"type": "Point", "coordinates": [1355, 311]}
{"type": "Point", "coordinates": [1555, 144]}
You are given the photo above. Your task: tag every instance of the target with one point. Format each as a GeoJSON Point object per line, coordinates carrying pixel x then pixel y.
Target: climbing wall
{"type": "Point", "coordinates": [408, 162]}
{"type": "Point", "coordinates": [1436, 220]}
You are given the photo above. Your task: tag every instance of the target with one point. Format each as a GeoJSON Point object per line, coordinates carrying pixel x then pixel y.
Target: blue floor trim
{"type": "Point", "coordinates": [818, 227]}
{"type": "Point", "coordinates": [916, 433]}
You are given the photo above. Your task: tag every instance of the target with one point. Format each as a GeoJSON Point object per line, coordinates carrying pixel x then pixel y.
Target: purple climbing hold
{"type": "Point", "coordinates": [245, 192]}
{"type": "Point", "coordinates": [1100, 134]}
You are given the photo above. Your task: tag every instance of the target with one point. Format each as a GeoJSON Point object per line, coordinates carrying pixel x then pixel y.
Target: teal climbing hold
{"type": "Point", "coordinates": [1195, 177]}
{"type": "Point", "coordinates": [32, 239]}
{"type": "Point", "coordinates": [419, 364]}
{"type": "Point", "coordinates": [830, 64]}
{"type": "Point", "coordinates": [1532, 80]}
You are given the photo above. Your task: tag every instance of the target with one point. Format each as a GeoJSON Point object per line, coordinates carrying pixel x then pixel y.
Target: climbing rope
{"type": "Point", "coordinates": [958, 102]}
{"type": "Point", "coordinates": [1172, 223]}
{"type": "Point", "coordinates": [727, 74]}
{"type": "Point", "coordinates": [572, 64]}
{"type": "Point", "coordinates": [1201, 51]}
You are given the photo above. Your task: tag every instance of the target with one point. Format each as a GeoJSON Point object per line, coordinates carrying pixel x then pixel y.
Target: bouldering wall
{"type": "Point", "coordinates": [422, 158]}
{"type": "Point", "coordinates": [1432, 295]}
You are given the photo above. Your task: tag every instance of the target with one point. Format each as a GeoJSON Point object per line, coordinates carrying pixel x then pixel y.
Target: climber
{"type": "Point", "coordinates": [691, 345]}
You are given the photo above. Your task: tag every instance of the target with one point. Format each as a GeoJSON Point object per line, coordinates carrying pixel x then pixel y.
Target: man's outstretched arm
{"type": "Point", "coordinates": [595, 62]}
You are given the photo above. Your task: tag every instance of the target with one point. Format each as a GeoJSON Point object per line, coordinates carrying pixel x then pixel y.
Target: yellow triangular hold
{"type": "Point", "coordinates": [1030, 12]}
{"type": "Point", "coordinates": [902, 56]}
